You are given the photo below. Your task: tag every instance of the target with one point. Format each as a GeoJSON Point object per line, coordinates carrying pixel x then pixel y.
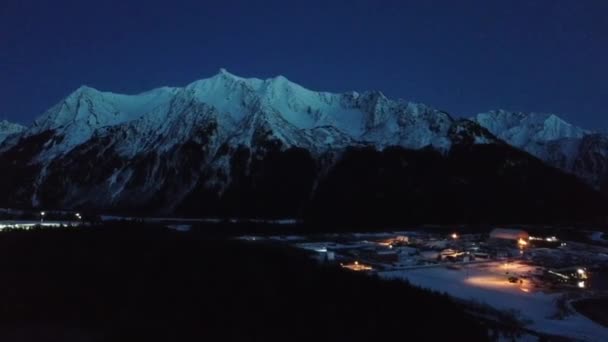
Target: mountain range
{"type": "Point", "coordinates": [233, 146]}
{"type": "Point", "coordinates": [555, 141]}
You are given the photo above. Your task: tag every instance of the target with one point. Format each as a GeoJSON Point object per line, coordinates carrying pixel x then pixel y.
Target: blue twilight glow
{"type": "Point", "coordinates": [461, 56]}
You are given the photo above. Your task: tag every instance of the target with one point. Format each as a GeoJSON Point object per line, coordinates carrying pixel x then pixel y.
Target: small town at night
{"type": "Point", "coordinates": [546, 283]}
{"type": "Point", "coordinates": [303, 171]}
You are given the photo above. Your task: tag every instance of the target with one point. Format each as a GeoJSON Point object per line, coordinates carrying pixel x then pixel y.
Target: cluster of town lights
{"type": "Point", "coordinates": [548, 239]}
{"type": "Point", "coordinates": [43, 214]}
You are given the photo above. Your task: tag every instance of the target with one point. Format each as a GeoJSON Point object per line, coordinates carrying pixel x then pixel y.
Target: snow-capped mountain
{"type": "Point", "coordinates": [526, 129]}
{"type": "Point", "coordinates": [9, 128]}
{"type": "Point", "coordinates": [228, 145]}
{"type": "Point", "coordinates": [550, 138]}
{"type": "Point", "coordinates": [241, 108]}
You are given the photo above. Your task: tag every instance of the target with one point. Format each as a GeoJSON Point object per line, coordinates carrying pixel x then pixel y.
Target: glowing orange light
{"type": "Point", "coordinates": [357, 267]}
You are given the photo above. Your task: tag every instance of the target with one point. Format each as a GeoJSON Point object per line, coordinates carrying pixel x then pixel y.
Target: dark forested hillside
{"type": "Point", "coordinates": [136, 283]}
{"type": "Point", "coordinates": [471, 184]}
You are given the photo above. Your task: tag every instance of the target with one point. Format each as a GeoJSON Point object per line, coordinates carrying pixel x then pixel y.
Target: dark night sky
{"type": "Point", "coordinates": [461, 56]}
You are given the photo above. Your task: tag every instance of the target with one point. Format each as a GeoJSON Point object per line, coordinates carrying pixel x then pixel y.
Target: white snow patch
{"type": "Point", "coordinates": [482, 284]}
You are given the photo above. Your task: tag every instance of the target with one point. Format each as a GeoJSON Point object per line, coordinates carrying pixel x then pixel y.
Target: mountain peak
{"type": "Point", "coordinates": [81, 93]}
{"type": "Point", "coordinates": [535, 126]}
{"type": "Point", "coordinates": [280, 78]}
{"type": "Point", "coordinates": [85, 89]}
{"type": "Point", "coordinates": [224, 75]}
{"type": "Point", "coordinates": [223, 78]}
{"type": "Point", "coordinates": [223, 72]}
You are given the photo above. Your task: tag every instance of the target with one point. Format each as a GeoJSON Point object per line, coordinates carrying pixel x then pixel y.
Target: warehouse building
{"type": "Point", "coordinates": [509, 237]}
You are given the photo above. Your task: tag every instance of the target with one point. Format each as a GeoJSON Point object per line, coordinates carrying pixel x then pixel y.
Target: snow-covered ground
{"type": "Point", "coordinates": [180, 227]}
{"type": "Point", "coordinates": [489, 284]}
{"type": "Point", "coordinates": [32, 224]}
{"type": "Point", "coordinates": [107, 218]}
{"type": "Point", "coordinates": [597, 236]}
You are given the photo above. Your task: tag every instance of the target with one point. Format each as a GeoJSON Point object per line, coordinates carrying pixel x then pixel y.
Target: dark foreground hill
{"type": "Point", "coordinates": [135, 284]}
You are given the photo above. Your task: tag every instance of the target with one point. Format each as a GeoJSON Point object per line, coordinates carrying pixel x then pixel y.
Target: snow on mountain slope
{"type": "Point", "coordinates": [86, 110]}
{"type": "Point", "coordinates": [104, 149]}
{"type": "Point", "coordinates": [553, 140]}
{"type": "Point", "coordinates": [288, 112]}
{"type": "Point", "coordinates": [528, 131]}
{"type": "Point", "coordinates": [9, 128]}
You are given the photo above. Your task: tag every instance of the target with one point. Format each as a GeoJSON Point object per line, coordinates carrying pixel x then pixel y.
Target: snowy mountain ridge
{"type": "Point", "coordinates": [526, 129]}
{"type": "Point", "coordinates": [555, 141]}
{"type": "Point", "coordinates": [176, 139]}
{"type": "Point", "coordinates": [296, 115]}
{"type": "Point", "coordinates": [223, 135]}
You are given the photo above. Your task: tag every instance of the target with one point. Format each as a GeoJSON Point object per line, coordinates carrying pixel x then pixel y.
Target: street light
{"type": "Point", "coordinates": [42, 213]}
{"type": "Point", "coordinates": [581, 273]}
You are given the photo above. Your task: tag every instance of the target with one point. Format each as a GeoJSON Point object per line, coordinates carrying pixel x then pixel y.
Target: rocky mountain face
{"type": "Point", "coordinates": [232, 146]}
{"type": "Point", "coordinates": [560, 144]}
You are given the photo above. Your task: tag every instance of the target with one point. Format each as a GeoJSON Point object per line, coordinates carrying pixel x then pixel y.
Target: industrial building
{"type": "Point", "coordinates": [507, 236]}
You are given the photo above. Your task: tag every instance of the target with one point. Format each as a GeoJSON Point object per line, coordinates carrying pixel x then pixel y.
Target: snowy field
{"type": "Point", "coordinates": [33, 223]}
{"type": "Point", "coordinates": [597, 237]}
{"type": "Point", "coordinates": [109, 218]}
{"type": "Point", "coordinates": [488, 283]}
